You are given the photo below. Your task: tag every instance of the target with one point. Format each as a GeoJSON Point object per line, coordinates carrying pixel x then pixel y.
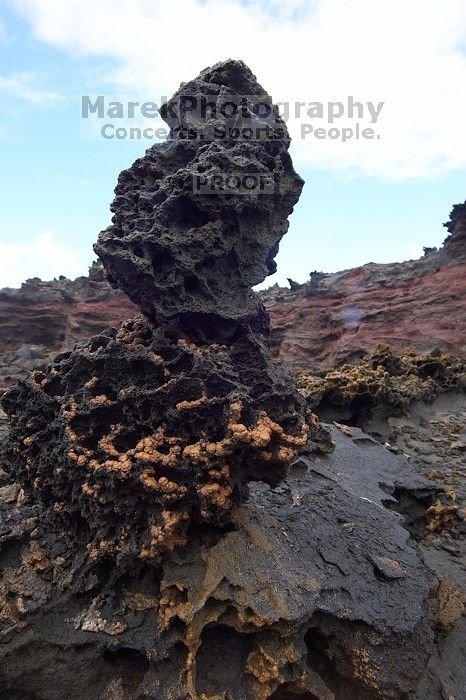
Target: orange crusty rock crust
{"type": "Point", "coordinates": [135, 437]}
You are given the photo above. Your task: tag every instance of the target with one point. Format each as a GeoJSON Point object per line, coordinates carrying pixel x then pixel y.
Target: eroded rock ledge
{"type": "Point", "coordinates": [316, 591]}
{"type": "Point", "coordinates": [384, 384]}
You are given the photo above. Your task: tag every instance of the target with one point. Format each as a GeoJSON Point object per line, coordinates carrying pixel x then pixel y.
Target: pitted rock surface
{"type": "Point", "coordinates": [138, 436]}
{"type": "Point", "coordinates": [294, 600]}
{"type": "Point", "coordinates": [190, 259]}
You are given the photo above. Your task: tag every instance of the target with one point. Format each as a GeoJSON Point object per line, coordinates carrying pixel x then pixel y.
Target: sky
{"type": "Point", "coordinates": [365, 200]}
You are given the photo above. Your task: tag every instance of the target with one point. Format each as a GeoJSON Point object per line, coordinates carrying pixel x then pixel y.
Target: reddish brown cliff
{"type": "Point", "coordinates": [417, 305]}
{"type": "Point", "coordinates": [42, 318]}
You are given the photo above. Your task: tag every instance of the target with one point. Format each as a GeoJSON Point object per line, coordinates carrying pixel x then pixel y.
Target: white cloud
{"type": "Point", "coordinates": [44, 257]}
{"type": "Point", "coordinates": [408, 54]}
{"type": "Point", "coordinates": [24, 86]}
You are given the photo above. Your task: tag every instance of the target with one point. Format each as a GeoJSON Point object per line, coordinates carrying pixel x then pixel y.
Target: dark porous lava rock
{"type": "Point", "coordinates": [138, 438]}
{"type": "Point", "coordinates": [189, 259]}
{"type": "Point", "coordinates": [317, 592]}
{"type": "Point", "coordinates": [137, 435]}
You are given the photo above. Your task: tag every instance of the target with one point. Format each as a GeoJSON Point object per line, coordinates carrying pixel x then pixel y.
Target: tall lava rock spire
{"type": "Point", "coordinates": [137, 436]}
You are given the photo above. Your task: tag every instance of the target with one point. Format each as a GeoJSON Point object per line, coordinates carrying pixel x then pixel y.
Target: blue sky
{"type": "Point", "coordinates": [365, 202]}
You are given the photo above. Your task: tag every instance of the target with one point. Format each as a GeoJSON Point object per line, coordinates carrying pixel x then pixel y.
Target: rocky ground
{"type": "Point", "coordinates": [416, 407]}
{"type": "Point", "coordinates": [417, 419]}
{"type": "Point", "coordinates": [317, 592]}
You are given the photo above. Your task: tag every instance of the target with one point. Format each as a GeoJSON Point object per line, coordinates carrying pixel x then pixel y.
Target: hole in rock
{"type": "Point", "coordinates": [321, 660]}
{"type": "Point", "coordinates": [192, 285]}
{"type": "Point", "coordinates": [162, 262]}
{"type": "Point", "coordinates": [101, 573]}
{"type": "Point", "coordinates": [10, 553]}
{"type": "Point", "coordinates": [127, 657]}
{"type": "Point", "coordinates": [288, 691]}
{"type": "Point", "coordinates": [129, 440]}
{"type": "Point", "coordinates": [413, 507]}
{"type": "Point", "coordinates": [55, 387]}
{"type": "Point", "coordinates": [317, 646]}
{"type": "Point", "coordinates": [208, 535]}
{"type": "Point", "coordinates": [185, 213]}
{"type": "Point", "coordinates": [144, 578]}
{"type": "Point", "coordinates": [221, 660]}
{"type": "Point", "coordinates": [138, 251]}
{"type": "Point", "coordinates": [178, 627]}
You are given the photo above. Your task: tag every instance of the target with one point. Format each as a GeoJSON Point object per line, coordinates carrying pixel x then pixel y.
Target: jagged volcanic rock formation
{"type": "Point", "coordinates": [136, 437]}
{"type": "Point", "coordinates": [317, 592]}
{"type": "Point", "coordinates": [137, 558]}
{"type": "Point", "coordinates": [142, 435]}
{"type": "Point", "coordinates": [191, 260]}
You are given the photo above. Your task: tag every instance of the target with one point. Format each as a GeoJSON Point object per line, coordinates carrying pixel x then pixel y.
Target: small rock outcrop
{"type": "Point", "coordinates": [383, 384]}
{"type": "Point", "coordinates": [455, 243]}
